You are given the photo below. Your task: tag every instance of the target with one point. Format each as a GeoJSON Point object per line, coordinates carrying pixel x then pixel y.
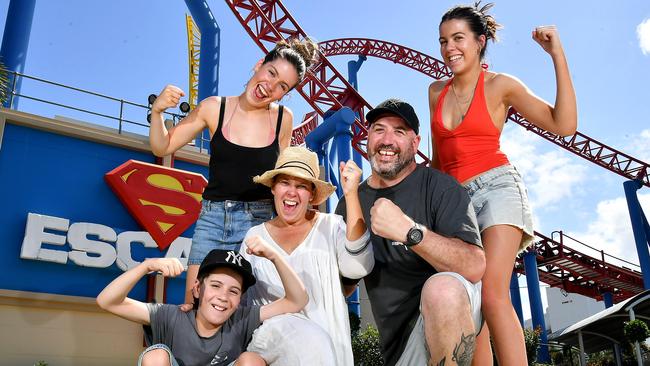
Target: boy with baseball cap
{"type": "Point", "coordinates": [217, 331]}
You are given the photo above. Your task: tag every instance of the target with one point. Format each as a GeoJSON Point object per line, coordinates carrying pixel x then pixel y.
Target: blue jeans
{"type": "Point", "coordinates": [223, 225]}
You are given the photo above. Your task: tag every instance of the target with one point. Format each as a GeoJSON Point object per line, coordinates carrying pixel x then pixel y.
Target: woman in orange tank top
{"type": "Point", "coordinates": [467, 115]}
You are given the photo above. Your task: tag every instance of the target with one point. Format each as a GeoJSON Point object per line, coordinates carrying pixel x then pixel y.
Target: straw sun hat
{"type": "Point", "coordinates": [299, 162]}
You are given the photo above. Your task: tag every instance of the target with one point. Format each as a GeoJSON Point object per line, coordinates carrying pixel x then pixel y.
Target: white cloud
{"type": "Point", "coordinates": [641, 146]}
{"type": "Point", "coordinates": [611, 231]}
{"type": "Point", "coordinates": [643, 33]}
{"type": "Point", "coordinates": [551, 176]}
{"type": "Point", "coordinates": [554, 178]}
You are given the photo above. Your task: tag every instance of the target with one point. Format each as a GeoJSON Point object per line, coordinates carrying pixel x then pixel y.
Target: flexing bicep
{"type": "Point", "coordinates": [533, 108]}
{"type": "Point", "coordinates": [277, 307]}
{"type": "Point", "coordinates": [538, 111]}
{"type": "Point", "coordinates": [190, 126]}
{"type": "Point", "coordinates": [132, 310]}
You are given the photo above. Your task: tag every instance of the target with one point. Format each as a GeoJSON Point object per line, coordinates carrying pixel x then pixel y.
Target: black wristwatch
{"type": "Point", "coordinates": [414, 235]}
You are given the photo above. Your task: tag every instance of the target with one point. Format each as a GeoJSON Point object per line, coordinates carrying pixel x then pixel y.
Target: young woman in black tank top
{"type": "Point", "coordinates": [247, 133]}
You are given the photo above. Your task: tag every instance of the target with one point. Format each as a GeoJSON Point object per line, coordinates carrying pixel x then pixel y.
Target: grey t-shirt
{"type": "Point", "coordinates": [177, 330]}
{"type": "Point", "coordinates": [430, 198]}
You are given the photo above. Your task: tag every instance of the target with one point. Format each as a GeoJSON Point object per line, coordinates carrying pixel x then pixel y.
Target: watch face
{"type": "Point", "coordinates": [415, 235]}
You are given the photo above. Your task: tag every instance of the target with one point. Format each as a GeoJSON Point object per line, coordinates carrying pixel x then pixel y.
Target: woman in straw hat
{"type": "Point", "coordinates": [320, 247]}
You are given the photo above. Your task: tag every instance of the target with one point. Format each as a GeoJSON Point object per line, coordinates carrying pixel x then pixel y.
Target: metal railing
{"type": "Point", "coordinates": [603, 255]}
{"type": "Point", "coordinates": [127, 115]}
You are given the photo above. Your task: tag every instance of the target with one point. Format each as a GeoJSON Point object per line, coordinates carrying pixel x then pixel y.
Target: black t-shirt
{"type": "Point", "coordinates": [430, 198]}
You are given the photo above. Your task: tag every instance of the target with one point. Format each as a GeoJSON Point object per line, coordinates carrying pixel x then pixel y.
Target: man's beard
{"type": "Point", "coordinates": [392, 170]}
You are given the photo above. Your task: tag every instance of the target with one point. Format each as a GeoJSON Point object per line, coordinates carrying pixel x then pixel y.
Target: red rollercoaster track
{"type": "Point", "coordinates": [580, 144]}
{"type": "Point", "coordinates": [561, 266]}
{"type": "Point", "coordinates": [324, 88]}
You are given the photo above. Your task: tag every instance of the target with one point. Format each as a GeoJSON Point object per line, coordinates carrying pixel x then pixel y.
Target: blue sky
{"type": "Point", "coordinates": [129, 49]}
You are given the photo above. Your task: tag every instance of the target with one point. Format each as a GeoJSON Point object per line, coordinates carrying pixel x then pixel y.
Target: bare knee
{"type": "Point", "coordinates": [250, 359]}
{"type": "Point", "coordinates": [443, 294]}
{"type": "Point", "coordinates": [156, 357]}
{"type": "Point", "coordinates": [494, 300]}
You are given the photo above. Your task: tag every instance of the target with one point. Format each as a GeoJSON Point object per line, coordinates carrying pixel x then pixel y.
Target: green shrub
{"type": "Point", "coordinates": [355, 324]}
{"type": "Point", "coordinates": [366, 349]}
{"type": "Point", "coordinates": [531, 338]}
{"type": "Point", "coordinates": [636, 331]}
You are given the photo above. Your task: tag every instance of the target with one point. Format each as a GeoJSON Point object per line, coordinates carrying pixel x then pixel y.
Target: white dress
{"type": "Point", "coordinates": [319, 261]}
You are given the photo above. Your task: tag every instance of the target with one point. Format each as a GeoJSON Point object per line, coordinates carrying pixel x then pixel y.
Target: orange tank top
{"type": "Point", "coordinates": [473, 146]}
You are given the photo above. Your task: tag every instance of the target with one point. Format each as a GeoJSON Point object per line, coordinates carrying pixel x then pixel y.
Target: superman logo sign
{"type": "Point", "coordinates": [164, 201]}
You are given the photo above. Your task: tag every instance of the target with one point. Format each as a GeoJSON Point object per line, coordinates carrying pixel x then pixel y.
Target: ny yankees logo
{"type": "Point", "coordinates": [234, 258]}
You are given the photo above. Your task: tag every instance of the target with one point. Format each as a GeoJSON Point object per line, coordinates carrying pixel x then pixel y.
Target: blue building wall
{"type": "Point", "coordinates": [50, 174]}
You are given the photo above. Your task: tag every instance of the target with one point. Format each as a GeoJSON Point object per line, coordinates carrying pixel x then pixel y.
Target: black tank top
{"type": "Point", "coordinates": [232, 166]}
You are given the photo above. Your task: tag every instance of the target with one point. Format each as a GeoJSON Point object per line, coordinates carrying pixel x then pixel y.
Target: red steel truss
{"type": "Point", "coordinates": [308, 124]}
{"type": "Point", "coordinates": [596, 152]}
{"type": "Point", "coordinates": [564, 267]}
{"type": "Point", "coordinates": [324, 88]}
{"type": "Point", "coordinates": [268, 21]}
{"type": "Point", "coordinates": [416, 60]}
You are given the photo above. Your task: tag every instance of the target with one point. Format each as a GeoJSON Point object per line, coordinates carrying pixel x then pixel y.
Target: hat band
{"type": "Point", "coordinates": [299, 165]}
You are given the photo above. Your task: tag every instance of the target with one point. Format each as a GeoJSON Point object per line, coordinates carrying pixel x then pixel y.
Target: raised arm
{"type": "Point", "coordinates": [443, 253]}
{"type": "Point", "coordinates": [350, 179]}
{"type": "Point", "coordinates": [295, 297]}
{"type": "Point", "coordinates": [355, 255]}
{"type": "Point", "coordinates": [561, 118]}
{"type": "Point", "coordinates": [164, 142]}
{"type": "Point", "coordinates": [113, 297]}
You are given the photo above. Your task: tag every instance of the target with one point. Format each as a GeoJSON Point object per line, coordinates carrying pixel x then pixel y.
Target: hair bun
{"type": "Point", "coordinates": [491, 25]}
{"type": "Point", "coordinates": [306, 48]}
{"type": "Point", "coordinates": [300, 53]}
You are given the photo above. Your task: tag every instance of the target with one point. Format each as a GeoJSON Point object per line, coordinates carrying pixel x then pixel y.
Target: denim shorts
{"type": "Point", "coordinates": [499, 197]}
{"type": "Point", "coordinates": [172, 360]}
{"type": "Point", "coordinates": [223, 225]}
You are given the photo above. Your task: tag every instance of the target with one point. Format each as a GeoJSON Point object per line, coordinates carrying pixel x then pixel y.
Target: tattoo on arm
{"type": "Point", "coordinates": [441, 363]}
{"type": "Point", "coordinates": [464, 350]}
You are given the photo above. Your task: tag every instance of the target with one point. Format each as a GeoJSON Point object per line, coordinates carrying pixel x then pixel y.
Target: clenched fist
{"type": "Point", "coordinates": [548, 37]}
{"type": "Point", "coordinates": [257, 246]}
{"type": "Point", "coordinates": [169, 97]}
{"type": "Point", "coordinates": [350, 176]}
{"type": "Point", "coordinates": [168, 267]}
{"type": "Point", "coordinates": [388, 221]}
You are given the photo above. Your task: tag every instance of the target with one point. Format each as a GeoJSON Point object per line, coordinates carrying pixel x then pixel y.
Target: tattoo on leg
{"type": "Point", "coordinates": [464, 350]}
